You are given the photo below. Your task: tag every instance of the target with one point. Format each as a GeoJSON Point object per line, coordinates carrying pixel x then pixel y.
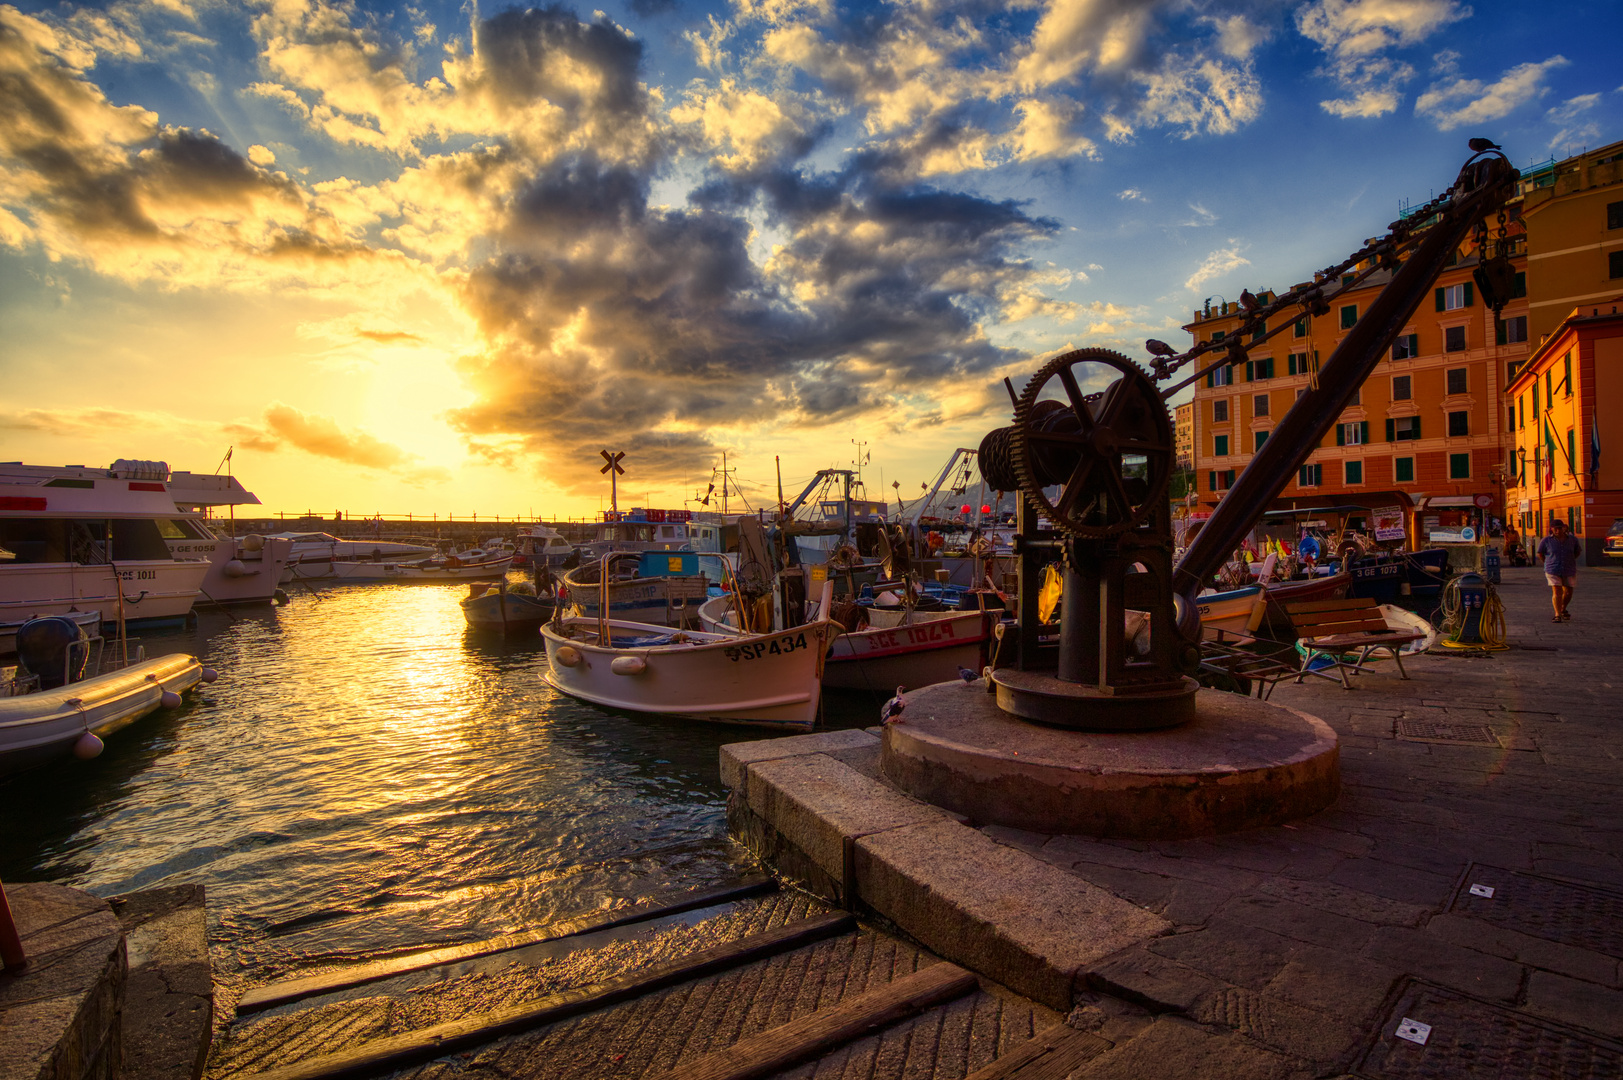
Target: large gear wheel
{"type": "Point", "coordinates": [1111, 454]}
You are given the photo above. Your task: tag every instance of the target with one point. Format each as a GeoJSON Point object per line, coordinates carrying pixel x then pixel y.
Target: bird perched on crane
{"type": "Point", "coordinates": [893, 708]}
{"type": "Point", "coordinates": [1248, 300]}
{"type": "Point", "coordinates": [1160, 348]}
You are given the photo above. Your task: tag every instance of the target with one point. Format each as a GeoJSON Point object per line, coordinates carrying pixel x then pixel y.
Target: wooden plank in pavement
{"type": "Point", "coordinates": [427, 1043]}
{"type": "Point", "coordinates": [789, 1044]}
{"type": "Point", "coordinates": [289, 990]}
{"type": "Point", "coordinates": [1052, 1054]}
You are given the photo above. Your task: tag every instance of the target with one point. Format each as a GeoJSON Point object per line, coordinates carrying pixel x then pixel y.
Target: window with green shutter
{"type": "Point", "coordinates": [1518, 285]}
{"type": "Point", "coordinates": [1566, 378]}
{"type": "Point", "coordinates": [1220, 445]}
{"type": "Point", "coordinates": [1349, 316]}
{"type": "Point", "coordinates": [1572, 452]}
{"type": "Point", "coordinates": [1300, 328]}
{"type": "Point", "coordinates": [1459, 423]}
{"type": "Point", "coordinates": [1265, 368]}
{"type": "Point", "coordinates": [1403, 470]}
{"type": "Point", "coordinates": [1354, 471]}
{"type": "Point", "coordinates": [1261, 437]}
{"type": "Point", "coordinates": [1406, 347]}
{"type": "Point", "coordinates": [1211, 481]}
{"type": "Point", "coordinates": [1459, 466]}
{"type": "Point", "coordinates": [1310, 475]}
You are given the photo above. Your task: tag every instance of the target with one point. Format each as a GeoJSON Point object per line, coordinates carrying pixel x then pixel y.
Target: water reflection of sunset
{"type": "Point", "coordinates": [368, 773]}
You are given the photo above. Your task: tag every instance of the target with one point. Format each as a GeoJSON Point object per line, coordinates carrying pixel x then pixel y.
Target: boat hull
{"type": "Point", "coordinates": [506, 611]}
{"type": "Point", "coordinates": [929, 650]}
{"type": "Point", "coordinates": [35, 728]}
{"type": "Point", "coordinates": [154, 590]}
{"type": "Point", "coordinates": [761, 680]}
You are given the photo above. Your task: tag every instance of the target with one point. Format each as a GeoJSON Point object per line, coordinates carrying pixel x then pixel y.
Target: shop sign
{"type": "Point", "coordinates": [1388, 521]}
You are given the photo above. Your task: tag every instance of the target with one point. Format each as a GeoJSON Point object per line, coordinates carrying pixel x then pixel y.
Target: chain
{"type": "Point", "coordinates": [1384, 253]}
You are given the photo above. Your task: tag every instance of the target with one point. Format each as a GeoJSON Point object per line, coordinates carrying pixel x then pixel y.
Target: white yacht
{"type": "Point", "coordinates": [315, 553]}
{"type": "Point", "coordinates": [74, 539]}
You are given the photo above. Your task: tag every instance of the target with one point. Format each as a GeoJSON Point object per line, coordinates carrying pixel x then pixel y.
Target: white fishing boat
{"type": "Point", "coordinates": [663, 588]}
{"type": "Point", "coordinates": [54, 711]}
{"type": "Point", "coordinates": [74, 539]}
{"type": "Point", "coordinates": [895, 647]}
{"type": "Point", "coordinates": [766, 680]}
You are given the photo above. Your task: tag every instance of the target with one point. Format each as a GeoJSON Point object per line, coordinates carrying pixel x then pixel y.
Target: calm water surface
{"type": "Point", "coordinates": [368, 775]}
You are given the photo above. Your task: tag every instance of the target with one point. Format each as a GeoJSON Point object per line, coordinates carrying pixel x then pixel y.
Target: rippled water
{"type": "Point", "coordinates": [368, 775]}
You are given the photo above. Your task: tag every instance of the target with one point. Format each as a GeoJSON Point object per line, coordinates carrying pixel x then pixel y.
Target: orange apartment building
{"type": "Point", "coordinates": [1564, 406]}
{"type": "Point", "coordinates": [1183, 429]}
{"type": "Point", "coordinates": [1424, 433]}
{"type": "Point", "coordinates": [1428, 431]}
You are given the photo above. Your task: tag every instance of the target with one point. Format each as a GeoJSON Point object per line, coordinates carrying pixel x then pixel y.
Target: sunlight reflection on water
{"type": "Point", "coordinates": [367, 774]}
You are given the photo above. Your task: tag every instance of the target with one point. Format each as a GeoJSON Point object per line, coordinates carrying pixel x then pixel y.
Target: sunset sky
{"type": "Point", "coordinates": [434, 257]}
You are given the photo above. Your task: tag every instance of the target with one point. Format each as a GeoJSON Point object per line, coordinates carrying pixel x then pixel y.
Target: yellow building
{"type": "Point", "coordinates": [1573, 211]}
{"type": "Point", "coordinates": [1565, 412]}
{"type": "Point", "coordinates": [1183, 426]}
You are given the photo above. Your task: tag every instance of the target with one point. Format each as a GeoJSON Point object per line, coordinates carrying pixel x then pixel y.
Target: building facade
{"type": "Point", "coordinates": [1183, 426]}
{"type": "Point", "coordinates": [1424, 433]}
{"type": "Point", "coordinates": [1563, 409]}
{"type": "Point", "coordinates": [1573, 210]}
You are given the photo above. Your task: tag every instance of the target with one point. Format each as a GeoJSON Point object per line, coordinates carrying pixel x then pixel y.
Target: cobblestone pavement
{"type": "Point", "coordinates": [1308, 941]}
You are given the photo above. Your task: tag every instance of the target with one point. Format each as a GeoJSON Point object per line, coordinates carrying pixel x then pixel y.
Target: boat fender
{"type": "Point", "coordinates": [87, 746]}
{"type": "Point", "coordinates": [567, 655]}
{"type": "Point", "coordinates": [170, 699]}
{"type": "Point", "coordinates": [234, 568]}
{"type": "Point", "coordinates": [628, 665]}
{"type": "Point", "coordinates": [253, 542]}
{"type": "Point", "coordinates": [208, 674]}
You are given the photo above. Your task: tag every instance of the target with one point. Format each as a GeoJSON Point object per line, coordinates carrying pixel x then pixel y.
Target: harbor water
{"type": "Point", "coordinates": [369, 776]}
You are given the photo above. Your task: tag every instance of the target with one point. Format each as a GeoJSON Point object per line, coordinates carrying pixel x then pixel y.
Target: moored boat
{"type": "Point", "coordinates": [501, 607]}
{"type": "Point", "coordinates": [664, 588]}
{"type": "Point", "coordinates": [56, 710]}
{"type": "Point", "coordinates": [766, 680]}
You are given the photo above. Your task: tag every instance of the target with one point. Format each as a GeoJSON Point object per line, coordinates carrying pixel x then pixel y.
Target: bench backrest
{"type": "Point", "coordinates": [1351, 615]}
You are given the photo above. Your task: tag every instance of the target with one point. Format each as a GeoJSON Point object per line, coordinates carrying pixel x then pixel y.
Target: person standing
{"type": "Point", "coordinates": [1560, 553]}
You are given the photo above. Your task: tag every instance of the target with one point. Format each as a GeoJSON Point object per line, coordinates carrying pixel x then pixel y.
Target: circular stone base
{"type": "Point", "coordinates": [1036, 695]}
{"type": "Point", "coordinates": [1239, 764]}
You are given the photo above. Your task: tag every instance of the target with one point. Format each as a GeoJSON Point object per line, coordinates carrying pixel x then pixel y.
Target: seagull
{"type": "Point", "coordinates": [969, 676]}
{"type": "Point", "coordinates": [1160, 348]}
{"type": "Point", "coordinates": [893, 708]}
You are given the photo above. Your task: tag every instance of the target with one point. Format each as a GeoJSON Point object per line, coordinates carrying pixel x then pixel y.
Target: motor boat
{"type": "Point", "coordinates": [66, 696]}
{"type": "Point", "coordinates": [315, 553]}
{"type": "Point", "coordinates": [77, 539]}
{"type": "Point", "coordinates": [507, 607]}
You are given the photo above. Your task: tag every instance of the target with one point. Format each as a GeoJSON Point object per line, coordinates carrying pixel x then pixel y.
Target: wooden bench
{"type": "Point", "coordinates": [1334, 629]}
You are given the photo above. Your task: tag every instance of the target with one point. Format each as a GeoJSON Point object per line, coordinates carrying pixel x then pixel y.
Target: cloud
{"type": "Point", "coordinates": [1460, 101]}
{"type": "Point", "coordinates": [322, 436]}
{"type": "Point", "coordinates": [389, 337]}
{"type": "Point", "coordinates": [1130, 195]}
{"type": "Point", "coordinates": [1216, 264]}
{"type": "Point", "coordinates": [1355, 35]}
{"type": "Point", "coordinates": [90, 422]}
{"type": "Point", "coordinates": [1574, 123]}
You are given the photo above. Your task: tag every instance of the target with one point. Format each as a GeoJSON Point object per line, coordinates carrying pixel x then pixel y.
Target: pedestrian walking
{"type": "Point", "coordinates": [1560, 553]}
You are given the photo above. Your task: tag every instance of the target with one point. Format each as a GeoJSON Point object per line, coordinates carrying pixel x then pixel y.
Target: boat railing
{"type": "Point", "coordinates": [603, 589]}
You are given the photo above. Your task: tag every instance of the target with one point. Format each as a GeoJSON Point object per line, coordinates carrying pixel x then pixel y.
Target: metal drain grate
{"type": "Point", "coordinates": [1477, 1040]}
{"type": "Point", "coordinates": [1437, 731]}
{"type": "Point", "coordinates": [1579, 915]}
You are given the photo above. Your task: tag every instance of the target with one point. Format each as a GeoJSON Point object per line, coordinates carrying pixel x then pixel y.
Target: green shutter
{"type": "Point", "coordinates": [1467, 294]}
{"type": "Point", "coordinates": [1248, 370]}
{"type": "Point", "coordinates": [1414, 428]}
{"type": "Point", "coordinates": [1341, 435]}
{"type": "Point", "coordinates": [1363, 432]}
{"type": "Point", "coordinates": [1519, 287]}
{"type": "Point", "coordinates": [1391, 430]}
{"type": "Point", "coordinates": [1211, 481]}
{"type": "Point", "coordinates": [1499, 331]}
{"type": "Point", "coordinates": [1439, 300]}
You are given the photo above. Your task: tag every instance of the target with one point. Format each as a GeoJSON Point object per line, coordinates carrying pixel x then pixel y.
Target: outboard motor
{"type": "Point", "coordinates": [55, 648]}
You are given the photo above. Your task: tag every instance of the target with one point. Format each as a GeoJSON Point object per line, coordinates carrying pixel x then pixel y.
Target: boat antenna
{"type": "Point", "coordinates": [777, 463]}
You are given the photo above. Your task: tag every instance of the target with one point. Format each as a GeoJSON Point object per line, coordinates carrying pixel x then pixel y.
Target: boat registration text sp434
{"type": "Point", "coordinates": [776, 647]}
